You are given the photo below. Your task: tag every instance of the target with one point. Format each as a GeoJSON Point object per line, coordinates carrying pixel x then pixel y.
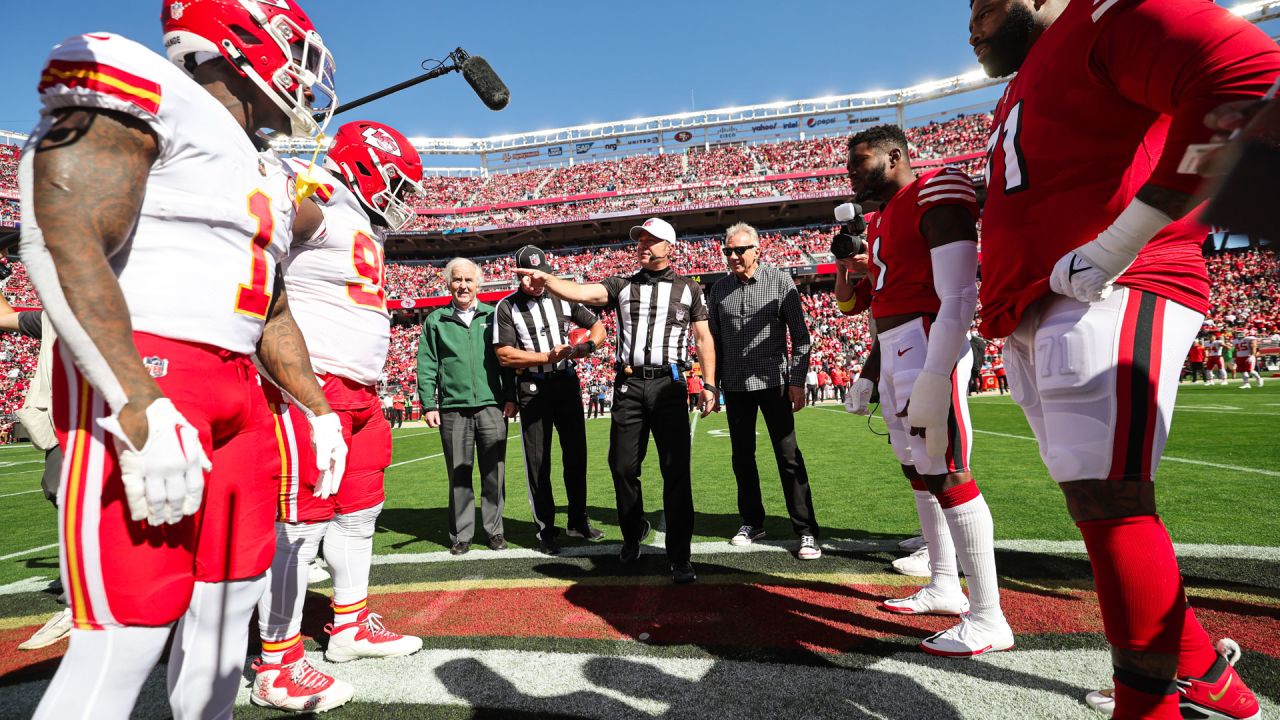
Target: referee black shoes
{"type": "Point", "coordinates": [631, 550]}
{"type": "Point", "coordinates": [682, 573]}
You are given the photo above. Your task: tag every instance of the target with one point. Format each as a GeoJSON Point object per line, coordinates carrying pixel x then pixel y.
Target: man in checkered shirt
{"type": "Point", "coordinates": [752, 310]}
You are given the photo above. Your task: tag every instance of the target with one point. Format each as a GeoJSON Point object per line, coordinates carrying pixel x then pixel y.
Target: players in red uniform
{"type": "Point", "coordinates": [1101, 289]}
{"type": "Point", "coordinates": [923, 280]}
{"type": "Point", "coordinates": [335, 283]}
{"type": "Point", "coordinates": [153, 225]}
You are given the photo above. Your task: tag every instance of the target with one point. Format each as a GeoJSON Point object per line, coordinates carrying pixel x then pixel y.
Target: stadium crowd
{"type": "Point", "coordinates": [1245, 298]}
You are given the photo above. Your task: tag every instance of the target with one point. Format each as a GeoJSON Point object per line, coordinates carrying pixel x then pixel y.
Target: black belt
{"type": "Point", "coordinates": [537, 375]}
{"type": "Point", "coordinates": [646, 372]}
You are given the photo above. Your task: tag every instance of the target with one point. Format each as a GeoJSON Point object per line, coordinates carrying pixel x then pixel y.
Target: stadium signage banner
{"type": "Point", "coordinates": [582, 148]}
{"type": "Point", "coordinates": [640, 140]}
{"type": "Point", "coordinates": [522, 155]}
{"type": "Point", "coordinates": [556, 151]}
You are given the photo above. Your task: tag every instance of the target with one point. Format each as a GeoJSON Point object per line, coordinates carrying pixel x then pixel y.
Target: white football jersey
{"type": "Point", "coordinates": [218, 212]}
{"type": "Point", "coordinates": [335, 285]}
{"type": "Point", "coordinates": [1213, 348]}
{"type": "Point", "coordinates": [1244, 346]}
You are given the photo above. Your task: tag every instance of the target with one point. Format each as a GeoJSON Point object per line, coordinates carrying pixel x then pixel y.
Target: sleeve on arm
{"type": "Point", "coordinates": [613, 286]}
{"type": "Point", "coordinates": [949, 186]}
{"type": "Point", "coordinates": [428, 366]}
{"type": "Point", "coordinates": [793, 315]}
{"type": "Point", "coordinates": [1183, 58]}
{"type": "Point", "coordinates": [29, 323]}
{"type": "Point", "coordinates": [582, 316]}
{"type": "Point", "coordinates": [504, 330]}
{"type": "Point", "coordinates": [104, 72]}
{"type": "Point", "coordinates": [697, 305]}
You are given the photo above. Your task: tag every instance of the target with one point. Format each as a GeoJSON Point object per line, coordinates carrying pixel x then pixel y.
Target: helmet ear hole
{"type": "Point", "coordinates": [244, 35]}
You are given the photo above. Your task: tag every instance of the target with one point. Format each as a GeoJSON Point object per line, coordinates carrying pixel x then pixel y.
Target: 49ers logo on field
{"type": "Point", "coordinates": [381, 139]}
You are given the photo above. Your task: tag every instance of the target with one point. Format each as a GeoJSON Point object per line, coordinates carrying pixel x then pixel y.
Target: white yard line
{"type": "Point", "coordinates": [406, 462]}
{"type": "Point", "coordinates": [28, 551]}
{"type": "Point", "coordinates": [409, 435]}
{"type": "Point", "coordinates": [24, 492]}
{"type": "Point", "coordinates": [1168, 458]}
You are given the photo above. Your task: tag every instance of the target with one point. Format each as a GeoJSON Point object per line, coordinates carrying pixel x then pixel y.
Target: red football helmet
{"type": "Point", "coordinates": [381, 167]}
{"type": "Point", "coordinates": [271, 42]}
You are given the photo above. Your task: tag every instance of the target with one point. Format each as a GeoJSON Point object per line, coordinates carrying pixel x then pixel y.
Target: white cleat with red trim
{"type": "Point", "coordinates": [928, 600]}
{"type": "Point", "coordinates": [295, 685]}
{"type": "Point", "coordinates": [367, 638]}
{"type": "Point", "coordinates": [968, 639]}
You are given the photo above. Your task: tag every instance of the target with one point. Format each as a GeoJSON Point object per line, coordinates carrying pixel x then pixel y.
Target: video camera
{"type": "Point", "coordinates": [849, 241]}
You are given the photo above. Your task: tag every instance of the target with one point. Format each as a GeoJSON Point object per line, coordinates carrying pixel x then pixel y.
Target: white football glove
{"type": "Point", "coordinates": [164, 481]}
{"type": "Point", "coordinates": [1088, 272]}
{"type": "Point", "coordinates": [929, 408]}
{"type": "Point", "coordinates": [331, 452]}
{"type": "Point", "coordinates": [859, 397]}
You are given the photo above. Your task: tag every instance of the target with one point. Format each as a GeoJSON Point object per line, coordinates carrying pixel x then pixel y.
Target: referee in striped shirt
{"type": "Point", "coordinates": [531, 335]}
{"type": "Point", "coordinates": [656, 311]}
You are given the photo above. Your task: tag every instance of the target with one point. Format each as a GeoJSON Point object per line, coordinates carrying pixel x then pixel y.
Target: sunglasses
{"type": "Point", "coordinates": [742, 250]}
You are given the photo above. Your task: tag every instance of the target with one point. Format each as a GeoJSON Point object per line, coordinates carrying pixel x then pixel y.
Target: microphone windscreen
{"type": "Point", "coordinates": [481, 77]}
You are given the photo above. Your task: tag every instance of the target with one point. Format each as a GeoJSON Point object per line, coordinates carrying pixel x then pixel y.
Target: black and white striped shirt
{"type": "Point", "coordinates": [538, 324]}
{"type": "Point", "coordinates": [655, 310]}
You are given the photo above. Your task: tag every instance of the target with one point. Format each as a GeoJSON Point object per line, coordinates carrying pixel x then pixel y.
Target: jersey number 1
{"type": "Point", "coordinates": [1009, 138]}
{"type": "Point", "coordinates": [253, 299]}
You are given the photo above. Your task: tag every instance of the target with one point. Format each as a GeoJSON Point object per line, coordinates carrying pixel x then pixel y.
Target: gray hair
{"type": "Point", "coordinates": [741, 227]}
{"type": "Point", "coordinates": [459, 262]}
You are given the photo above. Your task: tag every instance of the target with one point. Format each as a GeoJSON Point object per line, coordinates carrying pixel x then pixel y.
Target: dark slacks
{"type": "Point", "coordinates": [775, 405]}
{"type": "Point", "coordinates": [468, 435]}
{"type": "Point", "coordinates": [554, 403]}
{"type": "Point", "coordinates": [639, 407]}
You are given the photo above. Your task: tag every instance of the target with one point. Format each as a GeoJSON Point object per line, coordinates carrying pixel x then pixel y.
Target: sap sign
{"type": "Point", "coordinates": [583, 148]}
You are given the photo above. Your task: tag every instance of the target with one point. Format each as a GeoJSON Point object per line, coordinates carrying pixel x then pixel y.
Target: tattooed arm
{"type": "Point", "coordinates": [89, 177]}
{"type": "Point", "coordinates": [283, 354]}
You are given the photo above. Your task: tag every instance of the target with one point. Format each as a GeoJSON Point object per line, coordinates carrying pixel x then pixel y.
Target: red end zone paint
{"type": "Point", "coordinates": [812, 618]}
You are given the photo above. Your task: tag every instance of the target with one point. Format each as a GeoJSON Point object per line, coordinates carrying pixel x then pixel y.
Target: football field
{"type": "Point", "coordinates": [761, 634]}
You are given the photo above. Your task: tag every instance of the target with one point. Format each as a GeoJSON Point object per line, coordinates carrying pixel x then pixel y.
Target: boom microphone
{"type": "Point", "coordinates": [481, 77]}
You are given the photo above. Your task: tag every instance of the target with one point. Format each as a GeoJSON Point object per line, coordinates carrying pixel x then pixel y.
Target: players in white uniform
{"type": "Point", "coordinates": [1213, 361]}
{"type": "Point", "coordinates": [335, 284]}
{"type": "Point", "coordinates": [1246, 359]}
{"type": "Point", "coordinates": [153, 225]}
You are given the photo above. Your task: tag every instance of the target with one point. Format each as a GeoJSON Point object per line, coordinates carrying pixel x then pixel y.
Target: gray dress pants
{"type": "Point", "coordinates": [468, 435]}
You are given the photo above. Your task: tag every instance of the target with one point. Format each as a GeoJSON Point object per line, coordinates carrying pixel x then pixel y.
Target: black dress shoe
{"type": "Point", "coordinates": [586, 532]}
{"type": "Point", "coordinates": [548, 546]}
{"type": "Point", "coordinates": [682, 573]}
{"type": "Point", "coordinates": [497, 542]}
{"type": "Point", "coordinates": [631, 550]}
{"type": "Point", "coordinates": [459, 548]}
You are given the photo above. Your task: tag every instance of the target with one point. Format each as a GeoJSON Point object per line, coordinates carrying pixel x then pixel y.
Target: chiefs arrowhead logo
{"type": "Point", "coordinates": [381, 139]}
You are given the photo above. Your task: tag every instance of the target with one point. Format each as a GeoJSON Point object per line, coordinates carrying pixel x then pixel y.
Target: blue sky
{"type": "Point", "coordinates": [565, 62]}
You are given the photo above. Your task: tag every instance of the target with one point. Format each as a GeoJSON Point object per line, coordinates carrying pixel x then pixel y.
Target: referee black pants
{"type": "Point", "coordinates": [554, 402]}
{"type": "Point", "coordinates": [775, 405]}
{"type": "Point", "coordinates": [639, 407]}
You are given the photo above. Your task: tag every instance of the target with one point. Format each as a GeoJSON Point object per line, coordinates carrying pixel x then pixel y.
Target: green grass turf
{"type": "Point", "coordinates": [858, 489]}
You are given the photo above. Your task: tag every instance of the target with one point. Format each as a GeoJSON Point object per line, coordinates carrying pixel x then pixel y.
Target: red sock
{"type": "Point", "coordinates": [1151, 703]}
{"type": "Point", "coordinates": [1197, 653]}
{"type": "Point", "coordinates": [1139, 585]}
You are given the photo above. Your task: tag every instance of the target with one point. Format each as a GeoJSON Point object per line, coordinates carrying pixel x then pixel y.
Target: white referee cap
{"type": "Point", "coordinates": [656, 227]}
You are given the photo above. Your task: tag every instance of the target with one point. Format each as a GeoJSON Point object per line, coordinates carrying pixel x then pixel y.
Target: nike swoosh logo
{"type": "Point", "coordinates": [903, 351]}
{"type": "Point", "coordinates": [1215, 697]}
{"type": "Point", "coordinates": [1071, 272]}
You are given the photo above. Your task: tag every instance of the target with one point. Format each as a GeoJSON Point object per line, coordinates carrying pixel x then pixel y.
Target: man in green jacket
{"type": "Point", "coordinates": [469, 396]}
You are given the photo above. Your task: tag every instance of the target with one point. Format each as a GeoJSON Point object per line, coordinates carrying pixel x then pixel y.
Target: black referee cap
{"type": "Point", "coordinates": [531, 257]}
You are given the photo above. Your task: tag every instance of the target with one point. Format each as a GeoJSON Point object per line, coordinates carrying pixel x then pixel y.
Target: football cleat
{"type": "Point", "coordinates": [928, 600]}
{"type": "Point", "coordinates": [914, 565]}
{"type": "Point", "coordinates": [1219, 694]}
{"type": "Point", "coordinates": [295, 685]}
{"type": "Point", "coordinates": [316, 572]}
{"type": "Point", "coordinates": [54, 629]}
{"type": "Point", "coordinates": [366, 637]}
{"type": "Point", "coordinates": [968, 639]}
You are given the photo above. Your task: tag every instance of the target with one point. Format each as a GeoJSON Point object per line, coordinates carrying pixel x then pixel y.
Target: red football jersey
{"type": "Point", "coordinates": [1085, 124]}
{"type": "Point", "coordinates": [901, 271]}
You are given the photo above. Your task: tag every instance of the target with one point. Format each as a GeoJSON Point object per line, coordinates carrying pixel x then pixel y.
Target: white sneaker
{"type": "Point", "coordinates": [1261, 382]}
{"type": "Point", "coordinates": [746, 535]}
{"type": "Point", "coordinates": [809, 549]}
{"type": "Point", "coordinates": [316, 572]}
{"type": "Point", "coordinates": [367, 638]}
{"type": "Point", "coordinates": [968, 639]}
{"type": "Point", "coordinates": [1244, 386]}
{"type": "Point", "coordinates": [295, 685]}
{"type": "Point", "coordinates": [53, 630]}
{"type": "Point", "coordinates": [928, 600]}
{"type": "Point", "coordinates": [913, 543]}
{"type": "Point", "coordinates": [1104, 701]}
{"type": "Point", "coordinates": [915, 565]}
